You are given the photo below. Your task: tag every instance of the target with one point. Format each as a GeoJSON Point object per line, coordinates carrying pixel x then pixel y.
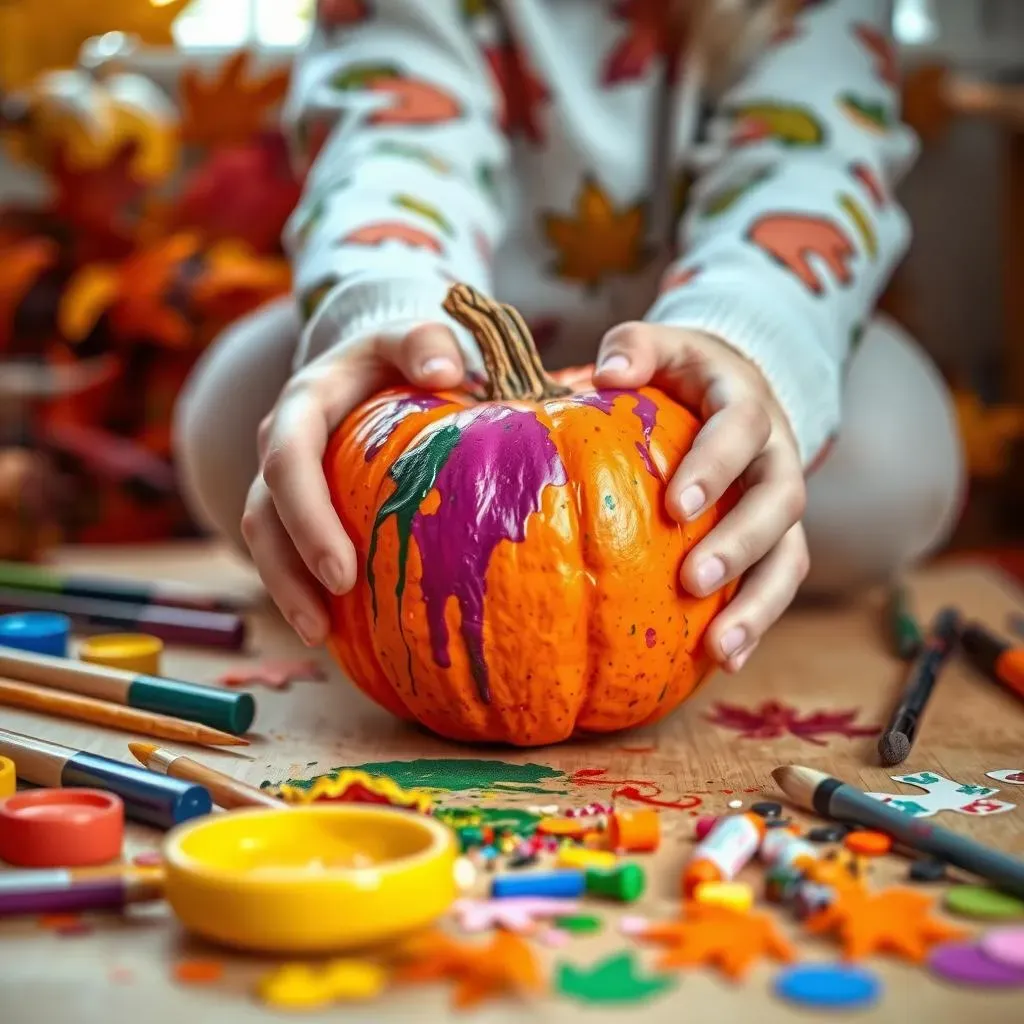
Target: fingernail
{"type": "Point", "coordinates": [733, 640]}
{"type": "Point", "coordinates": [613, 363]}
{"type": "Point", "coordinates": [437, 365]}
{"type": "Point", "coordinates": [710, 573]}
{"type": "Point", "coordinates": [330, 575]}
{"type": "Point", "coordinates": [692, 500]}
{"type": "Point", "coordinates": [303, 625]}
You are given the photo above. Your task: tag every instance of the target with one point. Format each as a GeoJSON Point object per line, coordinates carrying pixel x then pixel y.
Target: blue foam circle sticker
{"type": "Point", "coordinates": [41, 632]}
{"type": "Point", "coordinates": [828, 985]}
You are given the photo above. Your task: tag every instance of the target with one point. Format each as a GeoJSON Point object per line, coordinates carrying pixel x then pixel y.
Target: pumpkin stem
{"type": "Point", "coordinates": [514, 369]}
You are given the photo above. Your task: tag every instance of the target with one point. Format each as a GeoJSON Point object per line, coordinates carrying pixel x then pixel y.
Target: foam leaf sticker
{"type": "Point", "coordinates": [617, 979]}
{"type": "Point", "coordinates": [231, 106]}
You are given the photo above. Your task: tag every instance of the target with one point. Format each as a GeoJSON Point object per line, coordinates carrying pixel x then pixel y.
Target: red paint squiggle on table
{"type": "Point", "coordinates": [640, 790]}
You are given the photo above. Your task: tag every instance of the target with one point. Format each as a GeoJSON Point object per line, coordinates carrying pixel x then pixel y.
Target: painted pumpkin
{"type": "Point", "coordinates": [519, 575]}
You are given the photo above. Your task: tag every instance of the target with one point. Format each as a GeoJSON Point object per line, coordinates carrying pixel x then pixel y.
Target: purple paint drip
{"type": "Point", "coordinates": [650, 637]}
{"type": "Point", "coordinates": [382, 423]}
{"type": "Point", "coordinates": [491, 483]}
{"type": "Point", "coordinates": [643, 408]}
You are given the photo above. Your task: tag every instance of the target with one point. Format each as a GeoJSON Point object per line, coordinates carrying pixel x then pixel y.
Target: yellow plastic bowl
{"type": "Point", "coordinates": [309, 879]}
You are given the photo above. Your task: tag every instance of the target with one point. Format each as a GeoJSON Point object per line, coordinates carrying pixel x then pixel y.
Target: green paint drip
{"type": "Point", "coordinates": [414, 475]}
{"type": "Point", "coordinates": [452, 775]}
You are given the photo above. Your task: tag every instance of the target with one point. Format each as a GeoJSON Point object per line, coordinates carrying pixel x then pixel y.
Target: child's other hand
{"type": "Point", "coordinates": [289, 522]}
{"type": "Point", "coordinates": [746, 437]}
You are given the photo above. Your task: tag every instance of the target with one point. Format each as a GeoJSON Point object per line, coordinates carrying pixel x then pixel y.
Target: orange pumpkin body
{"type": "Point", "coordinates": [520, 576]}
{"type": "Point", "coordinates": [519, 573]}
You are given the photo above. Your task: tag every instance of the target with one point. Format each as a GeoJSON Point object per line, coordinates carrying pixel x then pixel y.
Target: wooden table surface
{"type": "Point", "coordinates": [814, 660]}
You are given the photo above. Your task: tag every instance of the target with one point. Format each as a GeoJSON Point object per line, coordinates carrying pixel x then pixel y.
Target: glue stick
{"type": "Point", "coordinates": [722, 853]}
{"type": "Point", "coordinates": [783, 847]}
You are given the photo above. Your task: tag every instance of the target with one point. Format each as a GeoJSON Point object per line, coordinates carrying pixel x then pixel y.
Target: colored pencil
{"type": "Point", "coordinates": [44, 579]}
{"type": "Point", "coordinates": [999, 660]}
{"type": "Point", "coordinates": [226, 792]}
{"type": "Point", "coordinates": [76, 889]}
{"type": "Point", "coordinates": [229, 710]}
{"type": "Point", "coordinates": [904, 631]}
{"type": "Point", "coordinates": [894, 745]}
{"type": "Point", "coordinates": [148, 798]}
{"type": "Point", "coordinates": [831, 798]}
{"type": "Point", "coordinates": [114, 716]}
{"type": "Point", "coordinates": [175, 625]}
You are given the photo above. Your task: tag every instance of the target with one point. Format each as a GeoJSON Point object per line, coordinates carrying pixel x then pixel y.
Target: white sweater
{"type": "Point", "coordinates": [542, 151]}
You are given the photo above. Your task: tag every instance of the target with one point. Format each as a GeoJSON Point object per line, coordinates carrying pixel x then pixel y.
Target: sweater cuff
{"type": "Point", "coordinates": [355, 310]}
{"type": "Point", "coordinates": [805, 381]}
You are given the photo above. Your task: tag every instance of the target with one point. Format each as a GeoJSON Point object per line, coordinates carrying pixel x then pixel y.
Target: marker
{"type": "Point", "coordinates": [62, 890]}
{"type": "Point", "coordinates": [999, 660]}
{"type": "Point", "coordinates": [20, 576]}
{"type": "Point", "coordinates": [565, 884]}
{"type": "Point", "coordinates": [723, 852]}
{"type": "Point", "coordinates": [225, 791]}
{"type": "Point", "coordinates": [175, 625]}
{"type": "Point", "coordinates": [148, 798]}
{"type": "Point", "coordinates": [816, 791]}
{"type": "Point", "coordinates": [895, 743]}
{"type": "Point", "coordinates": [230, 710]}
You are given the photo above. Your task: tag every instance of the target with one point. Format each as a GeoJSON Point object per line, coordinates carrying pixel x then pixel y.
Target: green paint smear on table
{"type": "Point", "coordinates": [454, 775]}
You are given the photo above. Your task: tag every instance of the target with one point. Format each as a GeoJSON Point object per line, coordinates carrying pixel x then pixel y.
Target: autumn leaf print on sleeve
{"type": "Point", "coordinates": [596, 239]}
{"type": "Point", "coordinates": [793, 221]}
{"type": "Point", "coordinates": [400, 107]}
{"type": "Point", "coordinates": [798, 242]}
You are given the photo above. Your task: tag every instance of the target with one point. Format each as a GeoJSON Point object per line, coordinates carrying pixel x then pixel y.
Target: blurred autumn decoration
{"type": "Point", "coordinates": [162, 226]}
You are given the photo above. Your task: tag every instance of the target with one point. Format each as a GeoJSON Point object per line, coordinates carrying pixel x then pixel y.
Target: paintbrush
{"type": "Point", "coordinates": [816, 791]}
{"type": "Point", "coordinates": [225, 791]}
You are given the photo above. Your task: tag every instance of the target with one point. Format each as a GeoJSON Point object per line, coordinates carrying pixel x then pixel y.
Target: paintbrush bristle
{"type": "Point", "coordinates": [799, 783]}
{"type": "Point", "coordinates": [893, 748]}
{"type": "Point", "coordinates": [142, 752]}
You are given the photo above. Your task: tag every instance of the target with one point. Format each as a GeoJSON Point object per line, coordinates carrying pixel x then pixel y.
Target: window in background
{"type": "Point", "coordinates": [285, 23]}
{"type": "Point", "coordinates": [232, 23]}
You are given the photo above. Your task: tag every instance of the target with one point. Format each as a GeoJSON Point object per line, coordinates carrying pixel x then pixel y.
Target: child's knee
{"type": "Point", "coordinates": [891, 492]}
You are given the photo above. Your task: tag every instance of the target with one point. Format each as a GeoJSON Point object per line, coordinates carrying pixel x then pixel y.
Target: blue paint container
{"type": "Point", "coordinates": [40, 632]}
{"type": "Point", "coordinates": [563, 884]}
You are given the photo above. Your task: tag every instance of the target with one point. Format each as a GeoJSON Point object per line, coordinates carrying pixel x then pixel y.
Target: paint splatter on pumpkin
{"type": "Point", "coordinates": [501, 542]}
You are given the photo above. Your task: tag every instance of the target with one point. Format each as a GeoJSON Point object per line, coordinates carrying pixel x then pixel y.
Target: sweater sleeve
{"type": "Point", "coordinates": [792, 230]}
{"type": "Point", "coordinates": [392, 116]}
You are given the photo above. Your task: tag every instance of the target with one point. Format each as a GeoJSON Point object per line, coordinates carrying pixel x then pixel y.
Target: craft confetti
{"type": "Point", "coordinates": [305, 987]}
{"type": "Point", "coordinates": [198, 972]}
{"type": "Point", "coordinates": [276, 675]}
{"type": "Point", "coordinates": [1005, 945]}
{"type": "Point", "coordinates": [981, 902]}
{"type": "Point", "coordinates": [966, 964]}
{"type": "Point", "coordinates": [828, 985]}
{"type": "Point", "coordinates": [896, 921]}
{"type": "Point", "coordinates": [942, 794]}
{"type": "Point", "coordinates": [719, 937]}
{"type": "Point", "coordinates": [616, 979]}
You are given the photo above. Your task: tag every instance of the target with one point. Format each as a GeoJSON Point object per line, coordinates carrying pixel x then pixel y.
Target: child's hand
{"type": "Point", "coordinates": [289, 523]}
{"type": "Point", "coordinates": [746, 437]}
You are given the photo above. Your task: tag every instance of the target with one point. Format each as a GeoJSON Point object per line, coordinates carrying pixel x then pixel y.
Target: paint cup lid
{"type": "Point", "coordinates": [131, 652]}
{"type": "Point", "coordinates": [41, 632]}
{"type": "Point", "coordinates": [51, 828]}
{"type": "Point", "coordinates": [8, 777]}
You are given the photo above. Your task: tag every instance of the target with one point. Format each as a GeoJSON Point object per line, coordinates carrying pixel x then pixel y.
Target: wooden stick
{"type": "Point", "coordinates": [114, 716]}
